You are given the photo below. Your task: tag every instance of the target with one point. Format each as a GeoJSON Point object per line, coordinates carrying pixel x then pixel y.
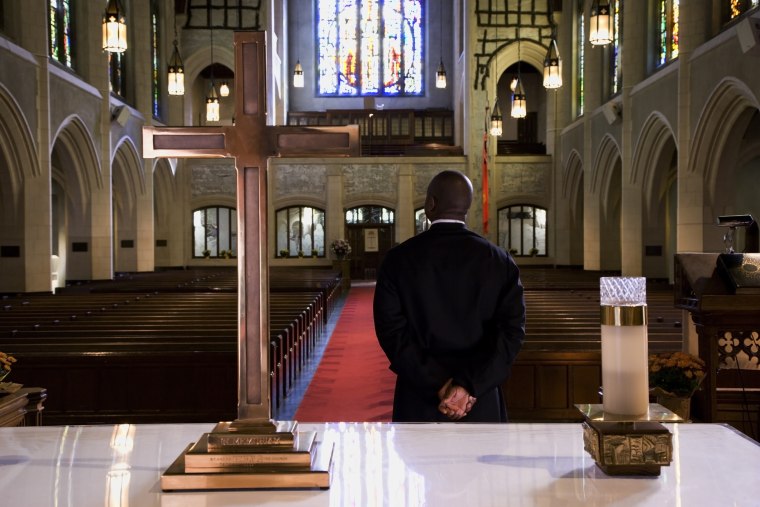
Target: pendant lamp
{"type": "Point", "coordinates": [114, 28]}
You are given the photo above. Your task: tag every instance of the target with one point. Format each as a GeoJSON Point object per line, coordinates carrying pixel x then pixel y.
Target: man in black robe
{"type": "Point", "coordinates": [449, 313]}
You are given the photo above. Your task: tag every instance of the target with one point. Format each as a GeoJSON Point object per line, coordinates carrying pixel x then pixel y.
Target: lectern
{"type": "Point", "coordinates": [722, 293]}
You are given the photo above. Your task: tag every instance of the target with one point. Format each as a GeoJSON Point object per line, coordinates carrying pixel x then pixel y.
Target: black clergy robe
{"type": "Point", "coordinates": [449, 304]}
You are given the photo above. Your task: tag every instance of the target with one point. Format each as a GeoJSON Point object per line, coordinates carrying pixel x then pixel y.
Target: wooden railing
{"type": "Point", "coordinates": [427, 132]}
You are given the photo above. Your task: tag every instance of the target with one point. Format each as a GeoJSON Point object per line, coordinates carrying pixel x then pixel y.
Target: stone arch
{"type": "Point", "coordinates": [128, 185]}
{"type": "Point", "coordinates": [604, 163]}
{"type": "Point", "coordinates": [653, 148]}
{"type": "Point", "coordinates": [731, 102]}
{"type": "Point", "coordinates": [20, 180]}
{"type": "Point", "coordinates": [194, 65]}
{"type": "Point", "coordinates": [76, 169]}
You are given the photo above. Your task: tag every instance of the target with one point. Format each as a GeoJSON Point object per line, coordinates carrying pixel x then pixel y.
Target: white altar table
{"type": "Point", "coordinates": [382, 464]}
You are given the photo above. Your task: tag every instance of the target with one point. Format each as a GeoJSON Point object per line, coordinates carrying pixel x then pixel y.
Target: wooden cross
{"type": "Point", "coordinates": [251, 142]}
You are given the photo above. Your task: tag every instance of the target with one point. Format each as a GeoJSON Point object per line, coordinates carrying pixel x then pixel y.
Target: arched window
{"type": "Point", "coordinates": [155, 81]}
{"type": "Point", "coordinates": [421, 222]}
{"type": "Point", "coordinates": [60, 28]}
{"type": "Point", "coordinates": [522, 230]}
{"type": "Point", "coordinates": [370, 47]}
{"type": "Point", "coordinates": [370, 215]}
{"type": "Point", "coordinates": [668, 32]}
{"type": "Point", "coordinates": [300, 232]}
{"type": "Point", "coordinates": [580, 56]}
{"type": "Point", "coordinates": [215, 232]}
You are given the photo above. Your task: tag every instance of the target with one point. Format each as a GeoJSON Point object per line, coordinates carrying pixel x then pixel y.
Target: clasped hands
{"type": "Point", "coordinates": [456, 402]}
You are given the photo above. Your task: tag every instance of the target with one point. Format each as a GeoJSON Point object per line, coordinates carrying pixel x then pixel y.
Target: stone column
{"type": "Point", "coordinates": [404, 205]}
{"type": "Point", "coordinates": [334, 213]}
{"type": "Point", "coordinates": [36, 248]}
{"type": "Point", "coordinates": [634, 60]}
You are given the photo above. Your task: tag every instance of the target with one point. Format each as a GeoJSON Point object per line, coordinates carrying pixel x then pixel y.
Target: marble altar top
{"type": "Point", "coordinates": [382, 464]}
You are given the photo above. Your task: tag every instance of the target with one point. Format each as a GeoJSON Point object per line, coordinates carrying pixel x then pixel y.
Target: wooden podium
{"type": "Point", "coordinates": [722, 293]}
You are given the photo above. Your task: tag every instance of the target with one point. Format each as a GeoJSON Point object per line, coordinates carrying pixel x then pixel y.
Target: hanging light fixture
{"type": "Point", "coordinates": [224, 89]}
{"type": "Point", "coordinates": [176, 70]}
{"type": "Point", "coordinates": [298, 80]}
{"type": "Point", "coordinates": [114, 28]}
{"type": "Point", "coordinates": [496, 121]}
{"type": "Point", "coordinates": [552, 67]}
{"type": "Point", "coordinates": [600, 23]}
{"type": "Point", "coordinates": [519, 102]}
{"type": "Point", "coordinates": [298, 75]}
{"type": "Point", "coordinates": [440, 74]}
{"type": "Point", "coordinates": [212, 99]}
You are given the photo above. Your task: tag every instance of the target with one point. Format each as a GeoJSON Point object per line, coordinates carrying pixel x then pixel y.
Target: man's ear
{"type": "Point", "coordinates": [430, 205]}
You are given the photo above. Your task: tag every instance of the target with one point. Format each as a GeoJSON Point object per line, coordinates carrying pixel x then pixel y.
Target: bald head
{"type": "Point", "coordinates": [449, 196]}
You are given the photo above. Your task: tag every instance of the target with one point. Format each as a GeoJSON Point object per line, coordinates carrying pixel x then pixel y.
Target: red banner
{"type": "Point", "coordinates": [485, 182]}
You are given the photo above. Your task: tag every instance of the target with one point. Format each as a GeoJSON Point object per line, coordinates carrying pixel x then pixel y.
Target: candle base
{"type": "Point", "coordinates": [624, 446]}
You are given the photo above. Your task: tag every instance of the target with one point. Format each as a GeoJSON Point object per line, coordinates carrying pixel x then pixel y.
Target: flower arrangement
{"type": "Point", "coordinates": [341, 248]}
{"type": "Point", "coordinates": [676, 373]}
{"type": "Point", "coordinates": [6, 361]}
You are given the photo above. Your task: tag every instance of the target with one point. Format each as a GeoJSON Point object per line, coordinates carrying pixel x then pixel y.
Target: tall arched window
{"type": "Point", "coordinates": [370, 47]}
{"type": "Point", "coordinates": [616, 65]}
{"type": "Point", "coordinates": [154, 61]}
{"type": "Point", "coordinates": [668, 32]}
{"type": "Point", "coordinates": [580, 56]}
{"type": "Point", "coordinates": [60, 30]}
{"type": "Point", "coordinates": [215, 232]}
{"type": "Point", "coordinates": [300, 232]}
{"type": "Point", "coordinates": [522, 230]}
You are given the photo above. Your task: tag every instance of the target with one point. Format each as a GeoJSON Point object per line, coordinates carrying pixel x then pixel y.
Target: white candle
{"type": "Point", "coordinates": [625, 348]}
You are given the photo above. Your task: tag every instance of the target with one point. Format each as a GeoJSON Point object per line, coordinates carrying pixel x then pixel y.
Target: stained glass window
{"type": "Point", "coordinates": [215, 232]}
{"type": "Point", "coordinates": [60, 31]}
{"type": "Point", "coordinates": [732, 9]}
{"type": "Point", "coordinates": [370, 47]}
{"type": "Point", "coordinates": [615, 55]}
{"type": "Point", "coordinates": [117, 70]}
{"type": "Point", "coordinates": [300, 232]}
{"type": "Point", "coordinates": [155, 80]}
{"type": "Point", "coordinates": [522, 230]}
{"type": "Point", "coordinates": [668, 30]}
{"type": "Point", "coordinates": [581, 55]}
{"type": "Point", "coordinates": [421, 222]}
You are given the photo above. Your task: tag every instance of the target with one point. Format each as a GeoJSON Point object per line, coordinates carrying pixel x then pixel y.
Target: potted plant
{"type": "Point", "coordinates": [533, 252]}
{"type": "Point", "coordinates": [206, 253]}
{"type": "Point", "coordinates": [341, 248]}
{"type": "Point", "coordinates": [315, 253]}
{"type": "Point", "coordinates": [513, 251]}
{"type": "Point", "coordinates": [6, 360]}
{"type": "Point", "coordinates": [673, 378]}
{"type": "Point", "coordinates": [284, 252]}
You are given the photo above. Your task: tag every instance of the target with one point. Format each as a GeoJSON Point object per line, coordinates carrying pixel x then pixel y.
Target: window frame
{"type": "Point", "coordinates": [283, 251]}
{"type": "Point", "coordinates": [522, 251]}
{"type": "Point", "coordinates": [231, 229]}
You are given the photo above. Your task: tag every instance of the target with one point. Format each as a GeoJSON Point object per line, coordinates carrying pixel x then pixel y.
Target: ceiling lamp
{"type": "Point", "coordinates": [298, 75]}
{"type": "Point", "coordinates": [552, 67]}
{"type": "Point", "coordinates": [496, 120]}
{"type": "Point", "coordinates": [224, 89]}
{"type": "Point", "coordinates": [600, 23]}
{"type": "Point", "coordinates": [519, 103]}
{"type": "Point", "coordinates": [212, 99]}
{"type": "Point", "coordinates": [176, 73]}
{"type": "Point", "coordinates": [114, 28]}
{"type": "Point", "coordinates": [440, 74]}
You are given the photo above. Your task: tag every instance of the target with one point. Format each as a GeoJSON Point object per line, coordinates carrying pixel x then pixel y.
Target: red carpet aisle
{"type": "Point", "coordinates": [352, 382]}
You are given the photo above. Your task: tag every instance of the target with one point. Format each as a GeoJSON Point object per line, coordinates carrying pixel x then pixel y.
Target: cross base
{"type": "Point", "coordinates": [252, 454]}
